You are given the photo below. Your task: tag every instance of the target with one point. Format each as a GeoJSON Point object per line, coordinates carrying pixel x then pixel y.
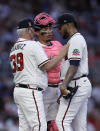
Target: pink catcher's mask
{"type": "Point", "coordinates": [43, 19]}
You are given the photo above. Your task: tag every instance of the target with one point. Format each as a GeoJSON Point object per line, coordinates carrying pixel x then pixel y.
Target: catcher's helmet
{"type": "Point", "coordinates": [43, 20]}
{"type": "Point", "coordinates": [65, 18]}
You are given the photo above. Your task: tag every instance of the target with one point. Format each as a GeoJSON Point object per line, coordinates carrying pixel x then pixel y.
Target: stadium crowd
{"type": "Point", "coordinates": [88, 15]}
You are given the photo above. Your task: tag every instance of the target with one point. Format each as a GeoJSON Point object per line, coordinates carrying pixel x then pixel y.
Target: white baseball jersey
{"type": "Point", "coordinates": [26, 57]}
{"type": "Point", "coordinates": [77, 51]}
{"type": "Point", "coordinates": [73, 111]}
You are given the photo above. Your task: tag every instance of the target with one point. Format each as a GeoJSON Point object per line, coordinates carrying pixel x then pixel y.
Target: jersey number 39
{"type": "Point", "coordinates": [17, 62]}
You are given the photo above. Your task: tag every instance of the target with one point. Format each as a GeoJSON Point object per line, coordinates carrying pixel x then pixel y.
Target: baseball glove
{"type": "Point", "coordinates": [72, 92]}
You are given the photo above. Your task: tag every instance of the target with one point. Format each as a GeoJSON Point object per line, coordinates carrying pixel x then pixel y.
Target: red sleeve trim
{"type": "Point", "coordinates": [74, 58]}
{"type": "Point", "coordinates": [44, 62]}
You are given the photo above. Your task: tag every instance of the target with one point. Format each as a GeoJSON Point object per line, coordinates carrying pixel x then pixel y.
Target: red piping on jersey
{"type": "Point", "coordinates": [44, 62]}
{"type": "Point", "coordinates": [37, 110]}
{"type": "Point", "coordinates": [73, 58]}
{"type": "Point", "coordinates": [67, 111]}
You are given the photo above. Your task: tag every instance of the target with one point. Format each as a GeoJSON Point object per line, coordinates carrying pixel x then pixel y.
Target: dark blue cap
{"type": "Point", "coordinates": [65, 18]}
{"type": "Point", "coordinates": [25, 23]}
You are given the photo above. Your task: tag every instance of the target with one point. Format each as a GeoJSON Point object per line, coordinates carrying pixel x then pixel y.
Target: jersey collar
{"type": "Point", "coordinates": [21, 40]}
{"type": "Point", "coordinates": [45, 45]}
{"type": "Point", "coordinates": [77, 33]}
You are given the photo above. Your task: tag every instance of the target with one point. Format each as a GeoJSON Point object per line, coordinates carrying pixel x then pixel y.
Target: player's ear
{"type": "Point", "coordinates": [27, 30]}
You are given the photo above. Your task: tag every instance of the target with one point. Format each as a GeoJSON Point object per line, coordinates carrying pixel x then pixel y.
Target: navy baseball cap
{"type": "Point", "coordinates": [25, 23]}
{"type": "Point", "coordinates": [65, 18]}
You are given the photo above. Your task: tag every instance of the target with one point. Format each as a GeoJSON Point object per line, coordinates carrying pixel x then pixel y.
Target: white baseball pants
{"type": "Point", "coordinates": [30, 109]}
{"type": "Point", "coordinates": [72, 114]}
{"type": "Point", "coordinates": [50, 97]}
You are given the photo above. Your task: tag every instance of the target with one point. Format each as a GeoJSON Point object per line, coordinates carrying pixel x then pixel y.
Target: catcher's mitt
{"type": "Point", "coordinates": [72, 92]}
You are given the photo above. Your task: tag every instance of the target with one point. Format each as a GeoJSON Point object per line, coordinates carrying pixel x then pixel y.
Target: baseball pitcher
{"type": "Point", "coordinates": [75, 87]}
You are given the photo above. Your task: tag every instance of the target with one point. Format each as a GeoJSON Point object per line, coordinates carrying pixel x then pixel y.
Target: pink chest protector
{"type": "Point", "coordinates": [53, 50]}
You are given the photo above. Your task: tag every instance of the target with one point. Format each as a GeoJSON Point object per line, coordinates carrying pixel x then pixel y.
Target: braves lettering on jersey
{"type": "Point", "coordinates": [26, 57]}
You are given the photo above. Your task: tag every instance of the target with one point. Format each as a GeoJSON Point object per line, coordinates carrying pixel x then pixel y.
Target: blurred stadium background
{"type": "Point", "coordinates": [88, 15]}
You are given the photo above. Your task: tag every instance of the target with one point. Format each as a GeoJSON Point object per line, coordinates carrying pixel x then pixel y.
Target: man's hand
{"type": "Point", "coordinates": [63, 90]}
{"type": "Point", "coordinates": [72, 92]}
{"type": "Point", "coordinates": [58, 100]}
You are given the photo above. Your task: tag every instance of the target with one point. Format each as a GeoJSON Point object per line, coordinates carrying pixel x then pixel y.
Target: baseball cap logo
{"type": "Point", "coordinates": [65, 21]}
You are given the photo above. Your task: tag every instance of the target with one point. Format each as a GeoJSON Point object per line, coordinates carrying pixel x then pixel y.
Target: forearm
{"type": "Point", "coordinates": [69, 75]}
{"type": "Point", "coordinates": [52, 63]}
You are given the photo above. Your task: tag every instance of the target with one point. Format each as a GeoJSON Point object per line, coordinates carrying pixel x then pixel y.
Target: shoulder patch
{"type": "Point", "coordinates": [76, 52]}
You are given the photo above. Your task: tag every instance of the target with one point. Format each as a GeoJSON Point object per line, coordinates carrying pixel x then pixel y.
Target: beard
{"type": "Point", "coordinates": [48, 40]}
{"type": "Point", "coordinates": [65, 34]}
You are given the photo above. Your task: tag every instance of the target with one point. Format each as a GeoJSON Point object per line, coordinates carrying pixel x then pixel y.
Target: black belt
{"type": "Point", "coordinates": [79, 77]}
{"type": "Point", "coordinates": [28, 87]}
{"type": "Point", "coordinates": [51, 85]}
